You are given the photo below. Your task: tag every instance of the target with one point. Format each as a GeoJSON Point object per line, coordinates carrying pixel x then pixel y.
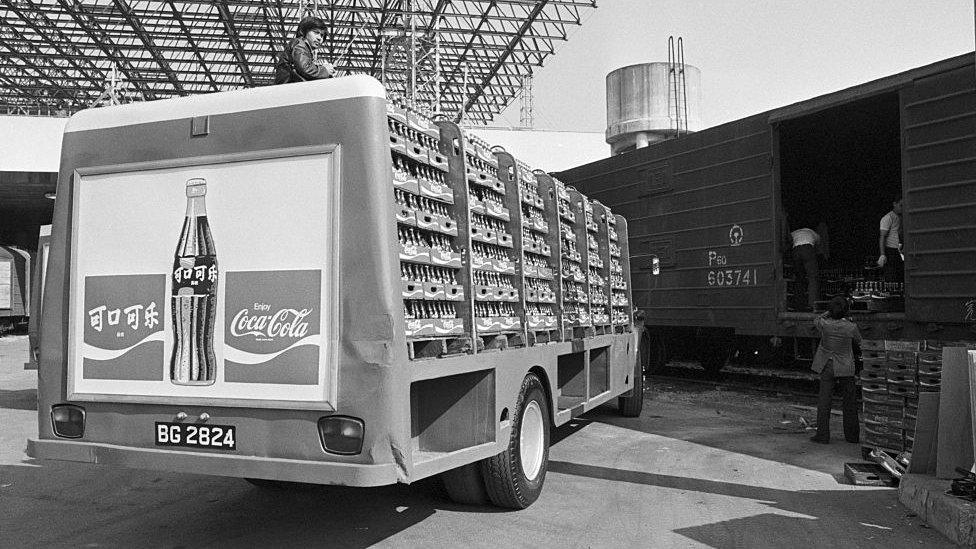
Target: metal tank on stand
{"type": "Point", "coordinates": [651, 102]}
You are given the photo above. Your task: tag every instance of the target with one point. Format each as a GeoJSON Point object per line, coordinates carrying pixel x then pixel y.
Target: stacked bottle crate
{"type": "Point", "coordinates": [427, 227]}
{"type": "Point", "coordinates": [620, 303]}
{"type": "Point", "coordinates": [498, 303]}
{"type": "Point", "coordinates": [573, 258]}
{"type": "Point", "coordinates": [537, 259]}
{"type": "Point", "coordinates": [893, 374]}
{"type": "Point", "coordinates": [597, 266]}
{"type": "Point", "coordinates": [493, 254]}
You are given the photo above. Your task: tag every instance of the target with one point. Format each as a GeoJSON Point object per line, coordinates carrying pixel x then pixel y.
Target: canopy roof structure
{"type": "Point", "coordinates": [457, 56]}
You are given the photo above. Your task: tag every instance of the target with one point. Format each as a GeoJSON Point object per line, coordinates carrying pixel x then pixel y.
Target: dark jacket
{"type": "Point", "coordinates": [297, 64]}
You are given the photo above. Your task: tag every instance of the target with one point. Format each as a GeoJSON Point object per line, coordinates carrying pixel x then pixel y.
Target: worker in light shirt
{"type": "Point", "coordinates": [889, 244]}
{"type": "Point", "coordinates": [806, 267]}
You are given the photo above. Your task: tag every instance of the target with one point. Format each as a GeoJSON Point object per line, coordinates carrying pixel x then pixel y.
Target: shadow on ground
{"type": "Point", "coordinates": [52, 504]}
{"type": "Point", "coordinates": [756, 436]}
{"type": "Point", "coordinates": [823, 512]}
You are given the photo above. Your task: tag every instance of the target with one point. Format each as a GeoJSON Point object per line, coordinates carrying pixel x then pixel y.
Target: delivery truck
{"type": "Point", "coordinates": [711, 214]}
{"type": "Point", "coordinates": [310, 283]}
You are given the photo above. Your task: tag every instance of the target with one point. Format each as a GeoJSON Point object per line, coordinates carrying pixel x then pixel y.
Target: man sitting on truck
{"type": "Point", "coordinates": [834, 362]}
{"type": "Point", "coordinates": [889, 244]}
{"type": "Point", "coordinates": [299, 61]}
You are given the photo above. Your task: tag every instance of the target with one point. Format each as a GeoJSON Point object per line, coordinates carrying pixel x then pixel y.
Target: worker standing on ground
{"type": "Point", "coordinates": [889, 244]}
{"type": "Point", "coordinates": [806, 266]}
{"type": "Point", "coordinates": [834, 362]}
{"type": "Point", "coordinates": [299, 61]}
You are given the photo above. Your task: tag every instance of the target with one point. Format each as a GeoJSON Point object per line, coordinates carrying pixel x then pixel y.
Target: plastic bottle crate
{"type": "Point", "coordinates": [874, 376]}
{"type": "Point", "coordinates": [872, 345]}
{"type": "Point", "coordinates": [908, 358]}
{"type": "Point", "coordinates": [929, 382]}
{"type": "Point", "coordinates": [900, 376]}
{"type": "Point", "coordinates": [930, 362]}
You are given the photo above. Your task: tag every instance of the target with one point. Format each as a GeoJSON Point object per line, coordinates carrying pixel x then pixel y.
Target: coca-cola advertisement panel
{"type": "Point", "coordinates": [206, 280]}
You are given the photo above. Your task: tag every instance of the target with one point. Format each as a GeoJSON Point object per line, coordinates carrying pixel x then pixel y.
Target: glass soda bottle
{"type": "Point", "coordinates": [194, 295]}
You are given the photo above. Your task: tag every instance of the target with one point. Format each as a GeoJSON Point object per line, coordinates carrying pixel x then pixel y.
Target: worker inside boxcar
{"type": "Point", "coordinates": [889, 244]}
{"type": "Point", "coordinates": [806, 265]}
{"type": "Point", "coordinates": [299, 61]}
{"type": "Point", "coordinates": [834, 362]}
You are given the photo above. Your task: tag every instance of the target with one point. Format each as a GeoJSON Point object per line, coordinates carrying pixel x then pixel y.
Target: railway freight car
{"type": "Point", "coordinates": [711, 212]}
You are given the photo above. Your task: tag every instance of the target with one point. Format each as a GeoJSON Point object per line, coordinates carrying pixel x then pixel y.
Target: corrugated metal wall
{"type": "Point", "coordinates": [939, 163]}
{"type": "Point", "coordinates": [703, 205]}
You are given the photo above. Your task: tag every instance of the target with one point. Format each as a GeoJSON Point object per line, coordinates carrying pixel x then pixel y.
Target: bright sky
{"type": "Point", "coordinates": [754, 55]}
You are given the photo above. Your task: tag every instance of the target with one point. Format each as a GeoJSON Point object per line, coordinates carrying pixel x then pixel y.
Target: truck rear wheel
{"type": "Point", "coordinates": [631, 403]}
{"type": "Point", "coordinates": [514, 478]}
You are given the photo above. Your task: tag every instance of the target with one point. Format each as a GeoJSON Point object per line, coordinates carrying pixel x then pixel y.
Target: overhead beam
{"type": "Point", "coordinates": [526, 25]}
{"type": "Point", "coordinates": [126, 9]}
{"type": "Point", "coordinates": [188, 36]}
{"type": "Point", "coordinates": [228, 22]}
{"type": "Point", "coordinates": [78, 13]}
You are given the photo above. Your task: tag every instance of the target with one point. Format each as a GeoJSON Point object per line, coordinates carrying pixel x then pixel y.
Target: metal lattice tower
{"type": "Point", "coordinates": [526, 107]}
{"type": "Point", "coordinates": [57, 54]}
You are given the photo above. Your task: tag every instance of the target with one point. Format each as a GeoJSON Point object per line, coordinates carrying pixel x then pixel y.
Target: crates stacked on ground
{"type": "Point", "coordinates": [894, 373]}
{"type": "Point", "coordinates": [427, 226]}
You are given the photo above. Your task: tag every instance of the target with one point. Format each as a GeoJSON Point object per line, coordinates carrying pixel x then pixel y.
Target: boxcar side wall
{"type": "Point", "coordinates": [702, 219]}
{"type": "Point", "coordinates": [939, 181]}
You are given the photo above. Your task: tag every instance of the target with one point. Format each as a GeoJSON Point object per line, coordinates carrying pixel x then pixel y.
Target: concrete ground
{"type": "Point", "coordinates": [700, 468]}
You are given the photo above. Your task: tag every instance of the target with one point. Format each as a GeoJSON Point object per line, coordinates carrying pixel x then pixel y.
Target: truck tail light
{"type": "Point", "coordinates": [68, 420]}
{"type": "Point", "coordinates": [342, 435]}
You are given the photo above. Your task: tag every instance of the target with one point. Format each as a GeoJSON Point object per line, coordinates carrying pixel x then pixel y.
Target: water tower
{"type": "Point", "coordinates": [651, 102]}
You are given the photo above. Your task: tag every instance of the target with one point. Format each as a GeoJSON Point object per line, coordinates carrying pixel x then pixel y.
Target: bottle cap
{"type": "Point", "coordinates": [196, 187]}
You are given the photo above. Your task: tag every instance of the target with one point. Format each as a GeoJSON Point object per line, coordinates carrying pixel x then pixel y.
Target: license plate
{"type": "Point", "coordinates": [211, 437]}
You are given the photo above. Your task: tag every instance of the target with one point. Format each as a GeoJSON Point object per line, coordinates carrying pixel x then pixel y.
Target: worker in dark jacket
{"type": "Point", "coordinates": [299, 62]}
{"type": "Point", "coordinates": [834, 362]}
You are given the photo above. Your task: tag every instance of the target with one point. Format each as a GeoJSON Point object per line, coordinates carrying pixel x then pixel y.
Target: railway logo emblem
{"type": "Point", "coordinates": [735, 235]}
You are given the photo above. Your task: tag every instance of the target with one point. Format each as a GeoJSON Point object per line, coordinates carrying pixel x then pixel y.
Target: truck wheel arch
{"type": "Point", "coordinates": [540, 372]}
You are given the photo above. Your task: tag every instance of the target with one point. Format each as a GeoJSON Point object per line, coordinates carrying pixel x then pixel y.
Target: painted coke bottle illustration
{"type": "Point", "coordinates": [194, 294]}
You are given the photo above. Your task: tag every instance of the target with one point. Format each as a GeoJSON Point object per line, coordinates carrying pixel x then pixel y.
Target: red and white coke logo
{"type": "Point", "coordinates": [284, 323]}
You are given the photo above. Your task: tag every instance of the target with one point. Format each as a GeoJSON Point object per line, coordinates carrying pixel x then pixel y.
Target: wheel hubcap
{"type": "Point", "coordinates": [532, 440]}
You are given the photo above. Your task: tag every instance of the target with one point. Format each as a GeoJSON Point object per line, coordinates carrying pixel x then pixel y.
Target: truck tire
{"type": "Point", "coordinates": [631, 403]}
{"type": "Point", "coordinates": [465, 485]}
{"type": "Point", "coordinates": [514, 478]}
